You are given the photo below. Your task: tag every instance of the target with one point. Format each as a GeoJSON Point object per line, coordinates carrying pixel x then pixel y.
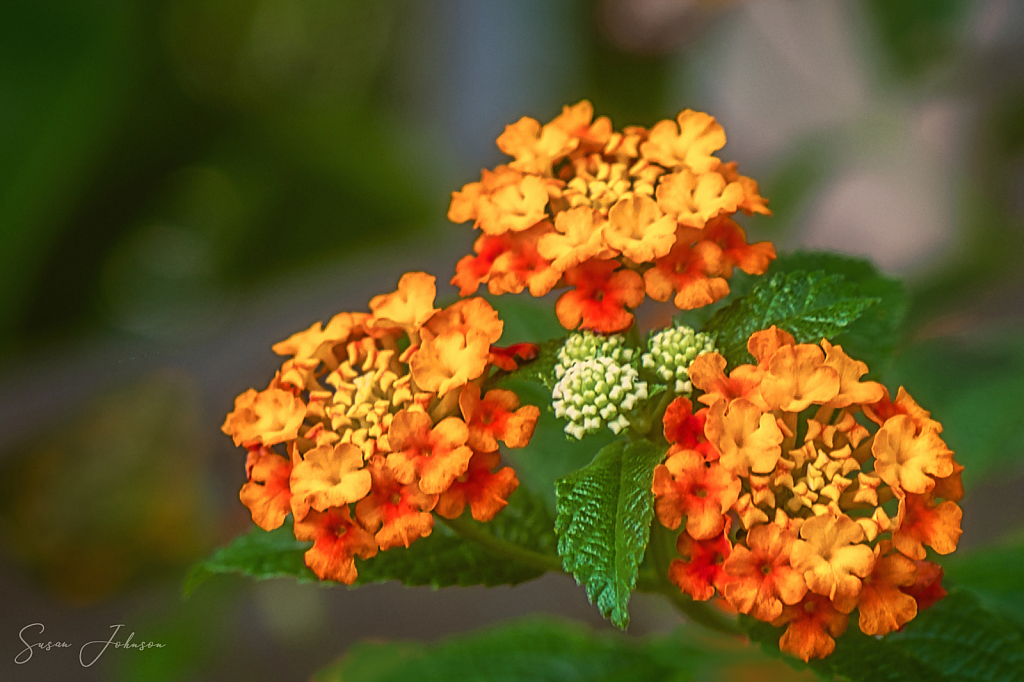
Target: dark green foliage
{"type": "Point", "coordinates": [604, 521]}
{"type": "Point", "coordinates": [874, 335]}
{"type": "Point", "coordinates": [441, 559]}
{"type": "Point", "coordinates": [957, 639]}
{"type": "Point", "coordinates": [536, 650]}
{"type": "Point", "coordinates": [810, 306]}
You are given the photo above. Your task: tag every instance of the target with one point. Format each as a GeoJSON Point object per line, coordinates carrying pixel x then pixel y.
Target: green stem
{"type": "Point", "coordinates": [529, 557]}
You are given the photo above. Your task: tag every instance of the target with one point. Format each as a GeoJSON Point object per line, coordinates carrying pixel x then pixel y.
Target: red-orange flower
{"type": "Point", "coordinates": [689, 270]}
{"type": "Point", "coordinates": [600, 298]}
{"type": "Point", "coordinates": [685, 485]}
{"type": "Point", "coordinates": [701, 573]}
{"type": "Point", "coordinates": [495, 418]}
{"type": "Point", "coordinates": [927, 588]}
{"type": "Point", "coordinates": [436, 456]}
{"type": "Point", "coordinates": [396, 513]}
{"type": "Point", "coordinates": [811, 622]}
{"type": "Point", "coordinates": [266, 494]}
{"type": "Point", "coordinates": [762, 577]}
{"type": "Point", "coordinates": [337, 541]}
{"type": "Point", "coordinates": [922, 522]}
{"type": "Point", "coordinates": [752, 259]}
{"type": "Point", "coordinates": [883, 606]}
{"type": "Point", "coordinates": [484, 490]}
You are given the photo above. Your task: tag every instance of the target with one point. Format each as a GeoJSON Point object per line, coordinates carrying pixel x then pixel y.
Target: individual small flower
{"type": "Point", "coordinates": [265, 417]}
{"type": "Point", "coordinates": [599, 301]}
{"type": "Point", "coordinates": [694, 199]}
{"type": "Point", "coordinates": [921, 522]}
{"type": "Point", "coordinates": [496, 417]}
{"type": "Point", "coordinates": [433, 455]}
{"type": "Point", "coordinates": [811, 626]}
{"type": "Point", "coordinates": [763, 579]}
{"type": "Point", "coordinates": [266, 493]}
{"type": "Point", "coordinates": [337, 541]}
{"type": "Point", "coordinates": [686, 142]}
{"type": "Point", "coordinates": [831, 558]}
{"type": "Point", "coordinates": [683, 428]}
{"type": "Point", "coordinates": [396, 513]}
{"type": "Point", "coordinates": [328, 476]}
{"type": "Point", "coordinates": [485, 491]}
{"type": "Point", "coordinates": [408, 307]}
{"type": "Point", "coordinates": [701, 573]}
{"type": "Point", "coordinates": [639, 230]}
{"type": "Point", "coordinates": [686, 485]}
{"type": "Point", "coordinates": [907, 459]}
{"type": "Point", "coordinates": [747, 439]}
{"type": "Point", "coordinates": [797, 376]}
{"type": "Point", "coordinates": [883, 606]}
{"type": "Point", "coordinates": [579, 236]}
{"type": "Point", "coordinates": [672, 351]}
{"type": "Point", "coordinates": [691, 271]}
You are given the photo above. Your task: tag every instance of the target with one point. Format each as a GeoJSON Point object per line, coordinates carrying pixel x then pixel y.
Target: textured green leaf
{"type": "Point", "coordinates": [874, 335]}
{"type": "Point", "coordinates": [604, 522]}
{"type": "Point", "coordinates": [807, 305]}
{"type": "Point", "coordinates": [541, 650]}
{"type": "Point", "coordinates": [442, 559]}
{"type": "Point", "coordinates": [957, 639]}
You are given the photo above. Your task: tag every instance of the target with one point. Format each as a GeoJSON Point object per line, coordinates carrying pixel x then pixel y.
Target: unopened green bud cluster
{"type": "Point", "coordinates": [672, 351]}
{"type": "Point", "coordinates": [597, 383]}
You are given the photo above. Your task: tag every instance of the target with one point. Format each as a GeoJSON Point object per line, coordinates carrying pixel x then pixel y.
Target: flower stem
{"type": "Point", "coordinates": [470, 531]}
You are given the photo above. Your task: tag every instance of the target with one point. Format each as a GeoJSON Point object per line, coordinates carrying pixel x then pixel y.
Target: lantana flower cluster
{"type": "Point", "coordinates": [376, 420]}
{"type": "Point", "coordinates": [615, 215]}
{"type": "Point", "coordinates": [804, 493]}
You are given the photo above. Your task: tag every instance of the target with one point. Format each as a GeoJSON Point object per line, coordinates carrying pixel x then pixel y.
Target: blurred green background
{"type": "Point", "coordinates": [185, 182]}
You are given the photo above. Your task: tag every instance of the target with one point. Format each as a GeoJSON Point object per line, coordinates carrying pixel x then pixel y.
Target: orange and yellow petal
{"type": "Point", "coordinates": [337, 541]}
{"type": "Point", "coordinates": [763, 581]}
{"type": "Point", "coordinates": [688, 141]}
{"type": "Point", "coordinates": [700, 572]}
{"type": "Point", "coordinates": [907, 459]}
{"type": "Point", "coordinates": [485, 491]}
{"type": "Point", "coordinates": [747, 438]}
{"type": "Point", "coordinates": [637, 228]}
{"type": "Point", "coordinates": [883, 606]}
{"type": "Point", "coordinates": [832, 558]}
{"type": "Point", "coordinates": [266, 493]}
{"type": "Point", "coordinates": [328, 476]}
{"type": "Point", "coordinates": [812, 625]}
{"type": "Point", "coordinates": [600, 298]}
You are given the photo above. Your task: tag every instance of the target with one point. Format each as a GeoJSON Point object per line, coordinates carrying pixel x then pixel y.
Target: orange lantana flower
{"type": "Point", "coordinates": [396, 513]}
{"type": "Point", "coordinates": [484, 490]}
{"type": "Point", "coordinates": [435, 455]}
{"type": "Point", "coordinates": [814, 476]}
{"type": "Point", "coordinates": [883, 606]}
{"type": "Point", "coordinates": [686, 485]}
{"type": "Point", "coordinates": [762, 577]}
{"type": "Point", "coordinates": [267, 494]}
{"type": "Point", "coordinates": [337, 541]}
{"type": "Point", "coordinates": [496, 417]}
{"type": "Point", "coordinates": [701, 573]}
{"type": "Point", "coordinates": [653, 202]}
{"type": "Point", "coordinates": [812, 624]}
{"type": "Point", "coordinates": [367, 410]}
{"type": "Point", "coordinates": [601, 297]}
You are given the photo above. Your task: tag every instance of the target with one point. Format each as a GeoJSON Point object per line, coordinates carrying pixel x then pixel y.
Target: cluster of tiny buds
{"type": "Point", "coordinates": [672, 351]}
{"type": "Point", "coordinates": [597, 384]}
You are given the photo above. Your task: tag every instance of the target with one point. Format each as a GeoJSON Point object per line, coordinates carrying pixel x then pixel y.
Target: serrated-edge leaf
{"type": "Point", "coordinates": [604, 520]}
{"type": "Point", "coordinates": [954, 640]}
{"type": "Point", "coordinates": [810, 306]}
{"type": "Point", "coordinates": [441, 559]}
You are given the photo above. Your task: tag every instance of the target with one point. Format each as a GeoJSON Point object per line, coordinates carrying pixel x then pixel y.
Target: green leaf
{"type": "Point", "coordinates": [442, 559]}
{"type": "Point", "coordinates": [956, 640]}
{"type": "Point", "coordinates": [604, 521]}
{"type": "Point", "coordinates": [874, 335]}
{"type": "Point", "coordinates": [807, 305]}
{"type": "Point", "coordinates": [540, 650]}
